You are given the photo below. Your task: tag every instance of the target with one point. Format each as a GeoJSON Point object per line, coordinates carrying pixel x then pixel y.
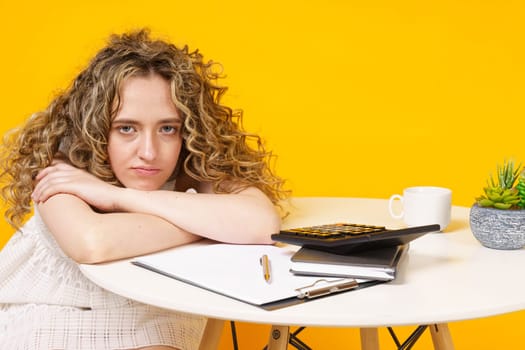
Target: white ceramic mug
{"type": "Point", "coordinates": [423, 205]}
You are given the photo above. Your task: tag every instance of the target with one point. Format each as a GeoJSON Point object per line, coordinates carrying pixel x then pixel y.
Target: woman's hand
{"type": "Point", "coordinates": [61, 177]}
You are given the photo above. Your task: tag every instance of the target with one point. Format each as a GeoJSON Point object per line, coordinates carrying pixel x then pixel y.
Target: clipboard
{"type": "Point", "coordinates": [235, 271]}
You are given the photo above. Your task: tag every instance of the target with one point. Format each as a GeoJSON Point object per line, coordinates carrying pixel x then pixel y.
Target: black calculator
{"type": "Point", "coordinates": [346, 238]}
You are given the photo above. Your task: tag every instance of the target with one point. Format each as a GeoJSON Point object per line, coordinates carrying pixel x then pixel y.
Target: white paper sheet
{"type": "Point", "coordinates": [232, 270]}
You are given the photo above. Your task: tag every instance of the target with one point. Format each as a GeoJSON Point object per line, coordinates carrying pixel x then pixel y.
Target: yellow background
{"type": "Point", "coordinates": [357, 98]}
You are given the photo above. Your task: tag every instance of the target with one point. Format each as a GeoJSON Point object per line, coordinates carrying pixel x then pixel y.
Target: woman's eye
{"type": "Point", "coordinates": [126, 129]}
{"type": "Point", "coordinates": [168, 129]}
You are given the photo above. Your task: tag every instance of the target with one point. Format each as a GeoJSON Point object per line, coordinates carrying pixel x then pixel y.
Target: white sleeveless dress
{"type": "Point", "coordinates": [47, 303]}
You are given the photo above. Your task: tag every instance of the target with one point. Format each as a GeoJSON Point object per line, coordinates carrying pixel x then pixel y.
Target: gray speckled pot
{"type": "Point", "coordinates": [498, 229]}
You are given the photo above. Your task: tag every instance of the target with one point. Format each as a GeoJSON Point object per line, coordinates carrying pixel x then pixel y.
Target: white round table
{"type": "Point", "coordinates": [446, 277]}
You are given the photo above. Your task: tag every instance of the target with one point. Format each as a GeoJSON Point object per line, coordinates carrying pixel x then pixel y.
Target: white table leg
{"type": "Point", "coordinates": [441, 337]}
{"type": "Point", "coordinates": [369, 339]}
{"type": "Point", "coordinates": [212, 334]}
{"type": "Point", "coordinates": [279, 338]}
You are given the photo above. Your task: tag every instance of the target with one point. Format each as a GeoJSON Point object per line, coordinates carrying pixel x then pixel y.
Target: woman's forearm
{"type": "Point", "coordinates": [90, 237]}
{"type": "Point", "coordinates": [245, 217]}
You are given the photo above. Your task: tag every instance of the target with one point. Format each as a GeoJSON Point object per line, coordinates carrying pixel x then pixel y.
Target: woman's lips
{"type": "Point", "coordinates": [146, 171]}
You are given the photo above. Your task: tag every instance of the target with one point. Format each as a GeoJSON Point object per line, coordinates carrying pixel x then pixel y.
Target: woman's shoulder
{"type": "Point", "coordinates": [36, 230]}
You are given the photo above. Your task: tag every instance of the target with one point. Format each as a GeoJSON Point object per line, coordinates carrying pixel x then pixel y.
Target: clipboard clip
{"type": "Point", "coordinates": [323, 287]}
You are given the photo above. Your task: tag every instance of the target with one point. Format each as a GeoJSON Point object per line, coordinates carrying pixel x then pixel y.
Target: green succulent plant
{"type": "Point", "coordinates": [500, 192]}
{"type": "Point", "coordinates": [521, 189]}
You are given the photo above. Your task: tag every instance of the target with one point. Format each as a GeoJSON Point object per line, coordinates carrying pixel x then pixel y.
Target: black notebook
{"type": "Point", "coordinates": [377, 264]}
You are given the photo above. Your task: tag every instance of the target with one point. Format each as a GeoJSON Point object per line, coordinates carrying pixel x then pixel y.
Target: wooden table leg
{"type": "Point", "coordinates": [369, 339]}
{"type": "Point", "coordinates": [441, 337]}
{"type": "Point", "coordinates": [212, 334]}
{"type": "Point", "coordinates": [279, 338]}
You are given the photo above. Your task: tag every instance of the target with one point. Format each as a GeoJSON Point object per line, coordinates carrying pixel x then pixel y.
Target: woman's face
{"type": "Point", "coordinates": [145, 136]}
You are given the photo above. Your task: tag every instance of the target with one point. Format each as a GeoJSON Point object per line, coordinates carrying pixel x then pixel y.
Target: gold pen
{"type": "Point", "coordinates": [265, 262]}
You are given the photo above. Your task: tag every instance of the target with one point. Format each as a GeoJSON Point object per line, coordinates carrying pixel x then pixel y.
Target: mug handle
{"type": "Point", "coordinates": [390, 208]}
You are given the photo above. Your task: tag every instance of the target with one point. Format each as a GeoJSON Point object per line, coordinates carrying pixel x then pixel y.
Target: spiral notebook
{"type": "Point", "coordinates": [236, 271]}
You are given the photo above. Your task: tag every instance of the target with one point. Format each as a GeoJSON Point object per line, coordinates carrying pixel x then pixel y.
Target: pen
{"type": "Point", "coordinates": [265, 262]}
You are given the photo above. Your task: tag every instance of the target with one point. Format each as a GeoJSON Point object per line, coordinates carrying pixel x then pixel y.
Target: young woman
{"type": "Point", "coordinates": [138, 155]}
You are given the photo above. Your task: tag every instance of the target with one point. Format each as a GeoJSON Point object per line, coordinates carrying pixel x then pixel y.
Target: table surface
{"type": "Point", "coordinates": [446, 277]}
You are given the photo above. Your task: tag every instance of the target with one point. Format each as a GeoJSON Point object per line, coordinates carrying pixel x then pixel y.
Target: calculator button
{"type": "Point", "coordinates": [335, 231]}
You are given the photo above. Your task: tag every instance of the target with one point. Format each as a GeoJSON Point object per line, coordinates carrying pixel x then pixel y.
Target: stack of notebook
{"type": "Point", "coordinates": [376, 264]}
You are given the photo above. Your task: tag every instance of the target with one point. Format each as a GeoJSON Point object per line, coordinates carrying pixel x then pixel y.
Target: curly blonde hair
{"type": "Point", "coordinates": [77, 123]}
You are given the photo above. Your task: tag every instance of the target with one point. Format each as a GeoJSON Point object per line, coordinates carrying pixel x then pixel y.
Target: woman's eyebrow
{"type": "Point", "coordinates": [175, 120]}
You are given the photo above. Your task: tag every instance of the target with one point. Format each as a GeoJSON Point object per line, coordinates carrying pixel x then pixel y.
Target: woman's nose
{"type": "Point", "coordinates": [147, 148]}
